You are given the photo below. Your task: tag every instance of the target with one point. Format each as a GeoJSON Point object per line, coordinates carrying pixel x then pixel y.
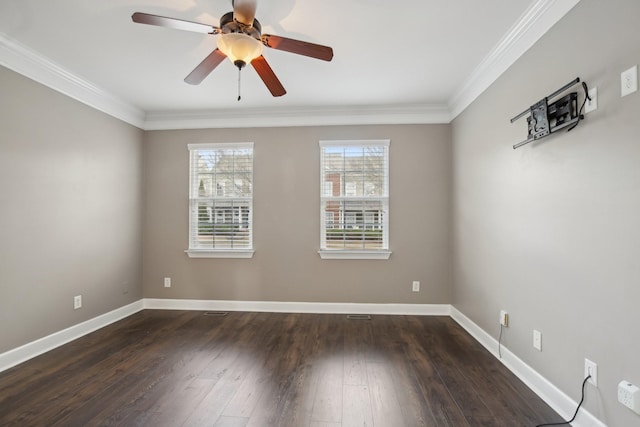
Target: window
{"type": "Point", "coordinates": [354, 199]}
{"type": "Point", "coordinates": [221, 200]}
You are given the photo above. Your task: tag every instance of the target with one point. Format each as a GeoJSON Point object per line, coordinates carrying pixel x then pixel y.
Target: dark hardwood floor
{"type": "Point", "coordinates": [185, 368]}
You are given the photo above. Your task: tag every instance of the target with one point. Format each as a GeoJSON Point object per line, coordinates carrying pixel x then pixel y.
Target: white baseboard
{"type": "Point", "coordinates": [553, 396]}
{"type": "Point", "coordinates": [299, 307]}
{"type": "Point", "coordinates": [35, 348]}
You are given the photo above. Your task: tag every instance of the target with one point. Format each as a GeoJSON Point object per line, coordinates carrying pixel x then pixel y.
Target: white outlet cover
{"type": "Point", "coordinates": [592, 105]}
{"type": "Point", "coordinates": [504, 318]}
{"type": "Point", "coordinates": [537, 340]}
{"type": "Point", "coordinates": [591, 368]}
{"type": "Point", "coordinates": [629, 81]}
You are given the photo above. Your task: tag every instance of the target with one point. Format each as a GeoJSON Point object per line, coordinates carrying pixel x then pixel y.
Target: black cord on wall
{"type": "Point", "coordinates": [577, 409]}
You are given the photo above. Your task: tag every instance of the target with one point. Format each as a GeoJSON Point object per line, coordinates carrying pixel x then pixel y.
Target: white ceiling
{"type": "Point", "coordinates": [424, 59]}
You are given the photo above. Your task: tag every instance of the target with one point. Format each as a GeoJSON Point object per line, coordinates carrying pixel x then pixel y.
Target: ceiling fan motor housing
{"type": "Point", "coordinates": [229, 25]}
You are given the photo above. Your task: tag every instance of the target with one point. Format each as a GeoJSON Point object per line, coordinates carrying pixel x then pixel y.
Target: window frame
{"type": "Point", "coordinates": [344, 253]}
{"type": "Point", "coordinates": [217, 194]}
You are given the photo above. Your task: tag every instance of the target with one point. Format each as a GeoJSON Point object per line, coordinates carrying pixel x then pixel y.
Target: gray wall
{"type": "Point", "coordinates": [550, 232]}
{"type": "Point", "coordinates": [286, 265]}
{"type": "Point", "coordinates": [70, 211]}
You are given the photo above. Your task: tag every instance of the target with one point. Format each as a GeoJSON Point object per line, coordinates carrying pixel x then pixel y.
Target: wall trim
{"type": "Point", "coordinates": [298, 307]}
{"type": "Point", "coordinates": [35, 348]}
{"type": "Point", "coordinates": [535, 22]}
{"type": "Point", "coordinates": [532, 25]}
{"type": "Point", "coordinates": [552, 395]}
{"type": "Point", "coordinates": [31, 64]}
{"type": "Point", "coordinates": [303, 116]}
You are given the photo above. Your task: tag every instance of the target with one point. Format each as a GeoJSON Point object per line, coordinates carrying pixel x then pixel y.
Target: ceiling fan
{"type": "Point", "coordinates": [241, 40]}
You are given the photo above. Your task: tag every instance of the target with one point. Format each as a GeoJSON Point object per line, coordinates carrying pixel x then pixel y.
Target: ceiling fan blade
{"type": "Point", "coordinates": [244, 11]}
{"type": "Point", "coordinates": [205, 67]}
{"type": "Point", "coordinates": [298, 46]}
{"type": "Point", "coordinates": [268, 76]}
{"type": "Point", "coordinates": [177, 24]}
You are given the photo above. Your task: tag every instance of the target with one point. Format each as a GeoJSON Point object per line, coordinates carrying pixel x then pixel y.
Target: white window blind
{"type": "Point", "coordinates": [354, 196]}
{"type": "Point", "coordinates": [221, 198]}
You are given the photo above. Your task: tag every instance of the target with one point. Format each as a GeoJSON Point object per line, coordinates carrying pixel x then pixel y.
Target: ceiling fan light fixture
{"type": "Point", "coordinates": [240, 48]}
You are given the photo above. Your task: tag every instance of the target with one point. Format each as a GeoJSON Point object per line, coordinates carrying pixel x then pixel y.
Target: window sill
{"type": "Point", "coordinates": [238, 253]}
{"type": "Point", "coordinates": [338, 254]}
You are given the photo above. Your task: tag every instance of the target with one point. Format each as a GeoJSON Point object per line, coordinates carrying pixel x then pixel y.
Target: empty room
{"type": "Point", "coordinates": [319, 214]}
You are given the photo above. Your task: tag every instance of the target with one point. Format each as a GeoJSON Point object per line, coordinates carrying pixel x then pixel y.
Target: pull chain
{"type": "Point", "coordinates": [239, 97]}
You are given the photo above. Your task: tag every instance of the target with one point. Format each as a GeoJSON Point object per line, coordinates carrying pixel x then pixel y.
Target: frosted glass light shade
{"type": "Point", "coordinates": [239, 47]}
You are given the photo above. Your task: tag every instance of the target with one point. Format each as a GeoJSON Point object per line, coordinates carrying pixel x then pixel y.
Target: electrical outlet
{"type": "Point", "coordinates": [537, 340]}
{"type": "Point", "coordinates": [167, 282]}
{"type": "Point", "coordinates": [592, 104]}
{"type": "Point", "coordinates": [629, 396]}
{"type": "Point", "coordinates": [591, 368]}
{"type": "Point", "coordinates": [504, 318]}
{"type": "Point", "coordinates": [77, 302]}
{"type": "Point", "coordinates": [629, 81]}
{"type": "Point", "coordinates": [416, 286]}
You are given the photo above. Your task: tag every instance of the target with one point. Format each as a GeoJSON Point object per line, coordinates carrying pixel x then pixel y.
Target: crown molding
{"type": "Point", "coordinates": [536, 21]}
{"type": "Point", "coordinates": [532, 25]}
{"type": "Point", "coordinates": [31, 64]}
{"type": "Point", "coordinates": [303, 116]}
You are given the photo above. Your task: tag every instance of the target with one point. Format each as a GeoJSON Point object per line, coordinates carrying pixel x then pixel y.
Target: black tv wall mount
{"type": "Point", "coordinates": [547, 116]}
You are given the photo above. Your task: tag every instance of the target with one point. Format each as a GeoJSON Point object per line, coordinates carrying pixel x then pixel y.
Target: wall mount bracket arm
{"type": "Point", "coordinates": [547, 116]}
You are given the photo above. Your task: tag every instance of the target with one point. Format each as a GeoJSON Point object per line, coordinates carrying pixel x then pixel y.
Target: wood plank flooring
{"type": "Point", "coordinates": [185, 368]}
